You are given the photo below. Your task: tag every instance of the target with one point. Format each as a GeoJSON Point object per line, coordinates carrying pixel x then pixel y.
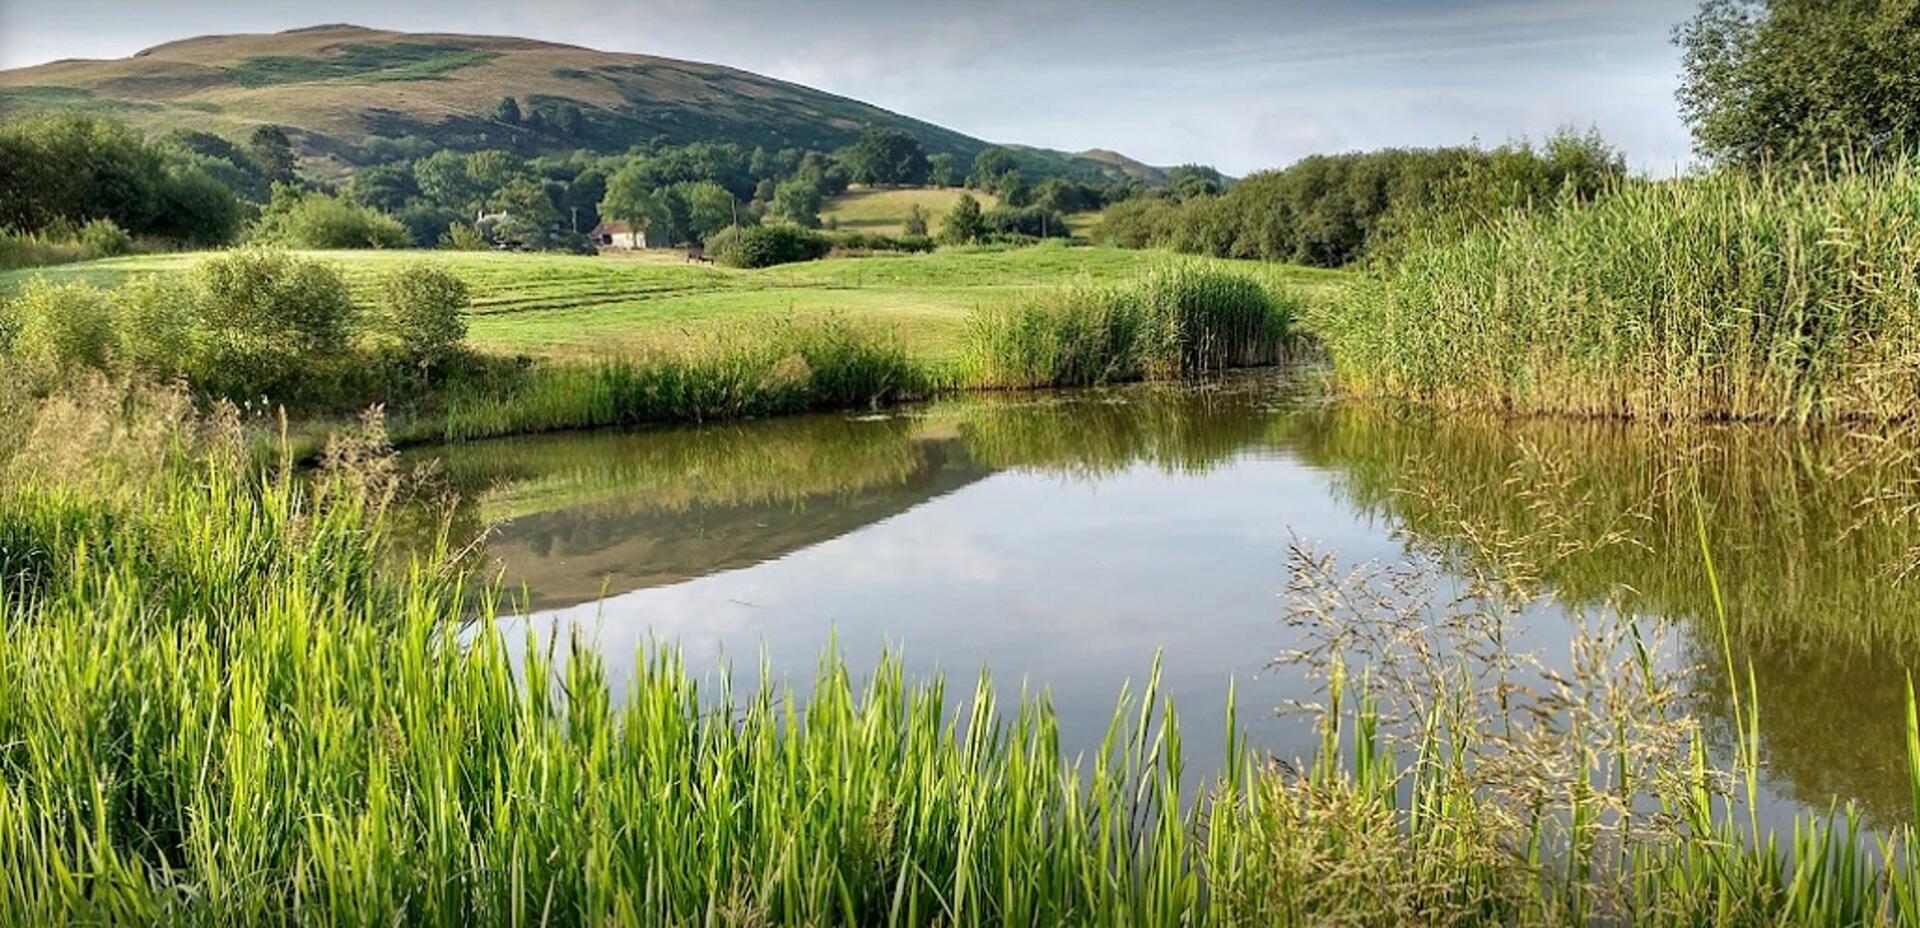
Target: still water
{"type": "Point", "coordinates": [1062, 541]}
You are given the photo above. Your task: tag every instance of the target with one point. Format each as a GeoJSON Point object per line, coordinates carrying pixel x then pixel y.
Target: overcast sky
{"type": "Point", "coordinates": [1236, 83]}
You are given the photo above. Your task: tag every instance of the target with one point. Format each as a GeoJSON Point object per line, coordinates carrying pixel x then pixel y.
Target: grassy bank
{"type": "Point", "coordinates": [1779, 296]}
{"type": "Point", "coordinates": [225, 704]}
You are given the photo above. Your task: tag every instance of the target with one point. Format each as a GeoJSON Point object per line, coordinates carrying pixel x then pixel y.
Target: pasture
{"type": "Point", "coordinates": [568, 307]}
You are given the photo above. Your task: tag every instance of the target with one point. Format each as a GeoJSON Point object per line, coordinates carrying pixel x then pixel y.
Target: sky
{"type": "Point", "coordinates": [1239, 84]}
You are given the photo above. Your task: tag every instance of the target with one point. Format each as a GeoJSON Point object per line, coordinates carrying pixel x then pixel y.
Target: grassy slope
{"type": "Point", "coordinates": [573, 306]}
{"type": "Point", "coordinates": [336, 86]}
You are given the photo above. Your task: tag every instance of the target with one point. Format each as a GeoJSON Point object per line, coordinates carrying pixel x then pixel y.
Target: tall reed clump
{"type": "Point", "coordinates": [1777, 296]}
{"type": "Point", "coordinates": [1176, 322]}
{"type": "Point", "coordinates": [784, 371]}
{"type": "Point", "coordinates": [221, 704]}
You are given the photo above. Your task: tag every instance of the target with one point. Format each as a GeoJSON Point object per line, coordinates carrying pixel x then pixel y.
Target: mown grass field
{"type": "Point", "coordinates": [884, 209]}
{"type": "Point", "coordinates": [585, 307]}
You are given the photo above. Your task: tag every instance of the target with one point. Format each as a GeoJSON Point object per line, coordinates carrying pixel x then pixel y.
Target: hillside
{"type": "Point", "coordinates": [341, 90]}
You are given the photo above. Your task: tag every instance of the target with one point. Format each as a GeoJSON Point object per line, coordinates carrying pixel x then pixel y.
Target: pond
{"type": "Point", "coordinates": [1063, 541]}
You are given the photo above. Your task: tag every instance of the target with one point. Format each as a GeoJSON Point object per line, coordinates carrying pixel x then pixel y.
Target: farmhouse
{"type": "Point", "coordinates": [616, 234]}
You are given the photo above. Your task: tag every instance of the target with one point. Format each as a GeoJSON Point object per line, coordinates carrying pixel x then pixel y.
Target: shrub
{"type": "Point", "coordinates": [422, 314]}
{"type": "Point", "coordinates": [462, 237]}
{"type": "Point", "coordinates": [157, 319]}
{"type": "Point", "coordinates": [61, 326]}
{"type": "Point", "coordinates": [301, 219]}
{"type": "Point", "coordinates": [105, 238]}
{"type": "Point", "coordinates": [1031, 221]}
{"type": "Point", "coordinates": [766, 246]}
{"type": "Point", "coordinates": [863, 242]}
{"type": "Point", "coordinates": [269, 322]}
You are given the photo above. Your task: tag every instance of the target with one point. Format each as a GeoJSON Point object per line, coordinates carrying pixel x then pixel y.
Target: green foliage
{"type": "Point", "coordinates": [75, 169]}
{"type": "Point", "coordinates": [1027, 221]}
{"type": "Point", "coordinates": [462, 237]}
{"type": "Point", "coordinates": [886, 157]}
{"type": "Point", "coordinates": [989, 166]}
{"type": "Point", "coordinates": [61, 326]}
{"type": "Point", "coordinates": [963, 223]}
{"type": "Point", "coordinates": [267, 319]}
{"type": "Point", "coordinates": [104, 237]}
{"type": "Point", "coordinates": [1196, 180]}
{"type": "Point", "coordinates": [272, 154]}
{"type": "Point", "coordinates": [1793, 81]}
{"type": "Point", "coordinates": [1330, 211]}
{"type": "Point", "coordinates": [508, 111]}
{"type": "Point", "coordinates": [631, 198]}
{"type": "Point", "coordinates": [158, 321]}
{"type": "Point", "coordinates": [358, 63]}
{"type": "Point", "coordinates": [943, 170]}
{"type": "Point", "coordinates": [798, 201]}
{"type": "Point", "coordinates": [709, 207]}
{"type": "Point", "coordinates": [869, 242]}
{"type": "Point", "coordinates": [422, 313]}
{"type": "Point", "coordinates": [305, 219]}
{"type": "Point", "coordinates": [766, 246]}
{"type": "Point", "coordinates": [916, 224]}
{"type": "Point", "coordinates": [385, 187]}
{"type": "Point", "coordinates": [1180, 322]}
{"type": "Point", "coordinates": [1773, 296]}
{"type": "Point", "coordinates": [528, 210]}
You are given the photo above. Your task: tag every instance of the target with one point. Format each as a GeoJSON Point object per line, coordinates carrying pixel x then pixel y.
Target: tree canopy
{"type": "Point", "coordinates": [1796, 81]}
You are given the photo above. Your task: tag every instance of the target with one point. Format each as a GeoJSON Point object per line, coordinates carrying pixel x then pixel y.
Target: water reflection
{"type": "Point", "coordinates": [1065, 539]}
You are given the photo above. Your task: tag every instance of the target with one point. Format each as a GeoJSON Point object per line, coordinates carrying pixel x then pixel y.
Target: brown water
{"type": "Point", "coordinates": [1066, 540]}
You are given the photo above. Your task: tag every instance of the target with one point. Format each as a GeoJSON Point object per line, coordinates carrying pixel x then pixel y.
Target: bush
{"type": "Point", "coordinates": [766, 246]}
{"type": "Point", "coordinates": [61, 327]}
{"type": "Point", "coordinates": [302, 219]}
{"type": "Point", "coordinates": [863, 242]}
{"type": "Point", "coordinates": [462, 237]}
{"type": "Point", "coordinates": [270, 323]}
{"type": "Point", "coordinates": [105, 238]}
{"type": "Point", "coordinates": [422, 315]}
{"type": "Point", "coordinates": [1030, 221]}
{"type": "Point", "coordinates": [157, 319]}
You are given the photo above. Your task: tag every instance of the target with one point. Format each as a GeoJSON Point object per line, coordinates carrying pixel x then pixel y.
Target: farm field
{"type": "Point", "coordinates": [884, 210]}
{"type": "Point", "coordinates": [586, 307]}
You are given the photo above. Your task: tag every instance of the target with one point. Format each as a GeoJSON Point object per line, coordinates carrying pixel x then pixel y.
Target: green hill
{"type": "Point", "coordinates": [346, 94]}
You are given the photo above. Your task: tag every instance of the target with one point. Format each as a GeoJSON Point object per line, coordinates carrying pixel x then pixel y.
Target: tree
{"type": "Point", "coordinates": [988, 167]}
{"type": "Point", "coordinates": [570, 120]}
{"type": "Point", "coordinates": [710, 207]}
{"type": "Point", "coordinates": [443, 179]}
{"type": "Point", "coordinates": [493, 169]}
{"type": "Point", "coordinates": [272, 152]}
{"type": "Point", "coordinates": [798, 202]}
{"type": "Point", "coordinates": [529, 211]}
{"type": "Point", "coordinates": [1013, 189]}
{"type": "Point", "coordinates": [385, 187]}
{"type": "Point", "coordinates": [1801, 80]}
{"type": "Point", "coordinates": [916, 223]}
{"type": "Point", "coordinates": [1195, 180]}
{"type": "Point", "coordinates": [963, 223]}
{"type": "Point", "coordinates": [507, 111]}
{"type": "Point", "coordinates": [631, 200]}
{"type": "Point", "coordinates": [888, 157]}
{"type": "Point", "coordinates": [943, 170]}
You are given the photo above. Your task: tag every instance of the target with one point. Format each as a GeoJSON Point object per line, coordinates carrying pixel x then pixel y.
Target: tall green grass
{"type": "Point", "coordinates": [788, 370]}
{"type": "Point", "coordinates": [220, 703]}
{"type": "Point", "coordinates": [1176, 322]}
{"type": "Point", "coordinates": [1778, 296]}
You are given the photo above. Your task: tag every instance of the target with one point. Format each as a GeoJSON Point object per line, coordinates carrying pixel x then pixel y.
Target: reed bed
{"type": "Point", "coordinates": [785, 371]}
{"type": "Point", "coordinates": [220, 703]}
{"type": "Point", "coordinates": [1176, 322]}
{"type": "Point", "coordinates": [1777, 296]}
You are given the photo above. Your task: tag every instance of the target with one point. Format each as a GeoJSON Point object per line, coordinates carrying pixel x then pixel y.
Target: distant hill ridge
{"type": "Point", "coordinates": [337, 87]}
